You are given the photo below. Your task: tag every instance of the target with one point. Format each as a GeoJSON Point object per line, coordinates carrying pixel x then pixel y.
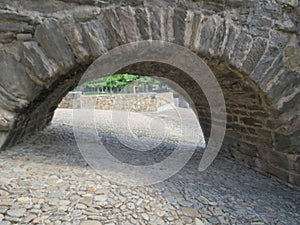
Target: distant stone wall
{"type": "Point", "coordinates": [140, 102]}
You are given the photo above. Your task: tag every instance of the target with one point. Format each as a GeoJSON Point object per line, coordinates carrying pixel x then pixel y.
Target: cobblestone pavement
{"type": "Point", "coordinates": [45, 180]}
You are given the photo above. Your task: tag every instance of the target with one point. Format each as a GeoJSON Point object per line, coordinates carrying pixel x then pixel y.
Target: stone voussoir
{"type": "Point", "coordinates": [53, 41]}
{"type": "Point", "coordinates": [40, 68]}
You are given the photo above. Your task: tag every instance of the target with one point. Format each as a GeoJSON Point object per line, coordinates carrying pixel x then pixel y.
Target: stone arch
{"type": "Point", "coordinates": [44, 55]}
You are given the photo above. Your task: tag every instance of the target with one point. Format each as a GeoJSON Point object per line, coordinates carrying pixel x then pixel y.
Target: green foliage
{"type": "Point", "coordinates": [98, 83]}
{"type": "Point", "coordinates": [117, 82]}
{"type": "Point", "coordinates": [114, 81]}
{"type": "Point", "coordinates": [120, 80]}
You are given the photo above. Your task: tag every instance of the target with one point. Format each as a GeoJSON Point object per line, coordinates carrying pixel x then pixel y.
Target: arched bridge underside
{"type": "Point", "coordinates": [251, 46]}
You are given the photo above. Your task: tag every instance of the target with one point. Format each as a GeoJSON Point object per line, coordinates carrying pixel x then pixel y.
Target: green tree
{"type": "Point", "coordinates": [118, 81]}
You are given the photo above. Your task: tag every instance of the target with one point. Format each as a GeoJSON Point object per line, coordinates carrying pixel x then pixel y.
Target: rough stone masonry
{"type": "Point", "coordinates": [251, 46]}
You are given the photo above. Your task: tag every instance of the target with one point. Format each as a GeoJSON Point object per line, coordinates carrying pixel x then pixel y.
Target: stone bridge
{"type": "Point", "coordinates": [252, 47]}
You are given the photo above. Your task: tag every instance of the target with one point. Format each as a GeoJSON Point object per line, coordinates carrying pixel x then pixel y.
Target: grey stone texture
{"type": "Point", "coordinates": [140, 102]}
{"type": "Point", "coordinates": [252, 47]}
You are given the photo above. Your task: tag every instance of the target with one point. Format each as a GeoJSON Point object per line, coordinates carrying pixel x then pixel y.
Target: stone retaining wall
{"type": "Point", "coordinates": [140, 102]}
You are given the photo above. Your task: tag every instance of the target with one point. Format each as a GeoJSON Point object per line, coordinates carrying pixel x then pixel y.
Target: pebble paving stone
{"type": "Point", "coordinates": [45, 180]}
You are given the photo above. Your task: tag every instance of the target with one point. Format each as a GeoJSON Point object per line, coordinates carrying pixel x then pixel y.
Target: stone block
{"type": "Point", "coordinates": [292, 54]}
{"type": "Point", "coordinates": [274, 69]}
{"type": "Point", "coordinates": [17, 90]}
{"type": "Point", "coordinates": [6, 120]}
{"type": "Point", "coordinates": [278, 159]}
{"type": "Point", "coordinates": [116, 29]}
{"type": "Point", "coordinates": [6, 37]}
{"type": "Point", "coordinates": [274, 171]}
{"type": "Point", "coordinates": [289, 107]}
{"type": "Point", "coordinates": [256, 52]}
{"type": "Point", "coordinates": [195, 36]}
{"type": "Point", "coordinates": [218, 45]}
{"type": "Point", "coordinates": [251, 121]}
{"type": "Point", "coordinates": [292, 3]}
{"type": "Point", "coordinates": [286, 82]}
{"type": "Point", "coordinates": [15, 16]}
{"type": "Point", "coordinates": [97, 37]}
{"type": "Point", "coordinates": [241, 49]}
{"type": "Point", "coordinates": [40, 68]}
{"type": "Point", "coordinates": [233, 33]}
{"type": "Point", "coordinates": [155, 23]}
{"type": "Point", "coordinates": [281, 141]}
{"type": "Point", "coordinates": [295, 162]}
{"type": "Point", "coordinates": [24, 37]}
{"type": "Point", "coordinates": [86, 13]}
{"type": "Point", "coordinates": [127, 19]}
{"type": "Point", "coordinates": [179, 26]}
{"type": "Point", "coordinates": [245, 148]}
{"type": "Point", "coordinates": [74, 37]}
{"type": "Point", "coordinates": [142, 23]}
{"type": "Point", "coordinates": [19, 28]}
{"type": "Point", "coordinates": [243, 158]}
{"type": "Point", "coordinates": [53, 41]}
{"type": "Point", "coordinates": [295, 179]}
{"type": "Point", "coordinates": [207, 33]}
{"type": "Point", "coordinates": [3, 137]}
{"type": "Point", "coordinates": [265, 63]}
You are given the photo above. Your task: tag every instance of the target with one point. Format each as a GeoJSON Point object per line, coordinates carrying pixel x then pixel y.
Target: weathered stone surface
{"type": "Point", "coordinates": [60, 178]}
{"type": "Point", "coordinates": [90, 222]}
{"type": "Point", "coordinates": [143, 22]}
{"type": "Point", "coordinates": [6, 27]}
{"type": "Point", "coordinates": [16, 88]}
{"type": "Point", "coordinates": [128, 21]}
{"type": "Point", "coordinates": [265, 63]}
{"type": "Point", "coordinates": [17, 212]}
{"type": "Point", "coordinates": [74, 36]}
{"type": "Point", "coordinates": [6, 120]}
{"type": "Point", "coordinates": [245, 148]}
{"type": "Point", "coordinates": [233, 33]}
{"type": "Point", "coordinates": [15, 16]}
{"type": "Point", "coordinates": [293, 3]}
{"type": "Point", "coordinates": [219, 39]}
{"type": "Point", "coordinates": [53, 41]}
{"type": "Point", "coordinates": [241, 49]}
{"type": "Point", "coordinates": [292, 55]}
{"type": "Point", "coordinates": [39, 67]}
{"type": "Point", "coordinates": [266, 80]}
{"type": "Point", "coordinates": [289, 106]}
{"type": "Point", "coordinates": [96, 34]}
{"type": "Point", "coordinates": [207, 33]}
{"type": "Point", "coordinates": [6, 37]}
{"type": "Point", "coordinates": [283, 86]}
{"type": "Point", "coordinates": [188, 28]}
{"type": "Point", "coordinates": [3, 137]}
{"type": "Point", "coordinates": [169, 23]}
{"type": "Point", "coordinates": [85, 13]}
{"type": "Point", "coordinates": [140, 102]}
{"type": "Point", "coordinates": [179, 25]}
{"type": "Point", "coordinates": [256, 52]}
{"type": "Point", "coordinates": [155, 23]}
{"type": "Point", "coordinates": [278, 159]}
{"type": "Point", "coordinates": [195, 38]}
{"type": "Point", "coordinates": [24, 37]}
{"type": "Point", "coordinates": [116, 29]}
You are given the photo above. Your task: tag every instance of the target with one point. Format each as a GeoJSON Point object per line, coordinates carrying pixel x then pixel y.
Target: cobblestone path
{"type": "Point", "coordinates": [45, 180]}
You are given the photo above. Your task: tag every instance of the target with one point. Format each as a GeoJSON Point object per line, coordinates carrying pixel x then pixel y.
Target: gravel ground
{"type": "Point", "coordinates": [45, 180]}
